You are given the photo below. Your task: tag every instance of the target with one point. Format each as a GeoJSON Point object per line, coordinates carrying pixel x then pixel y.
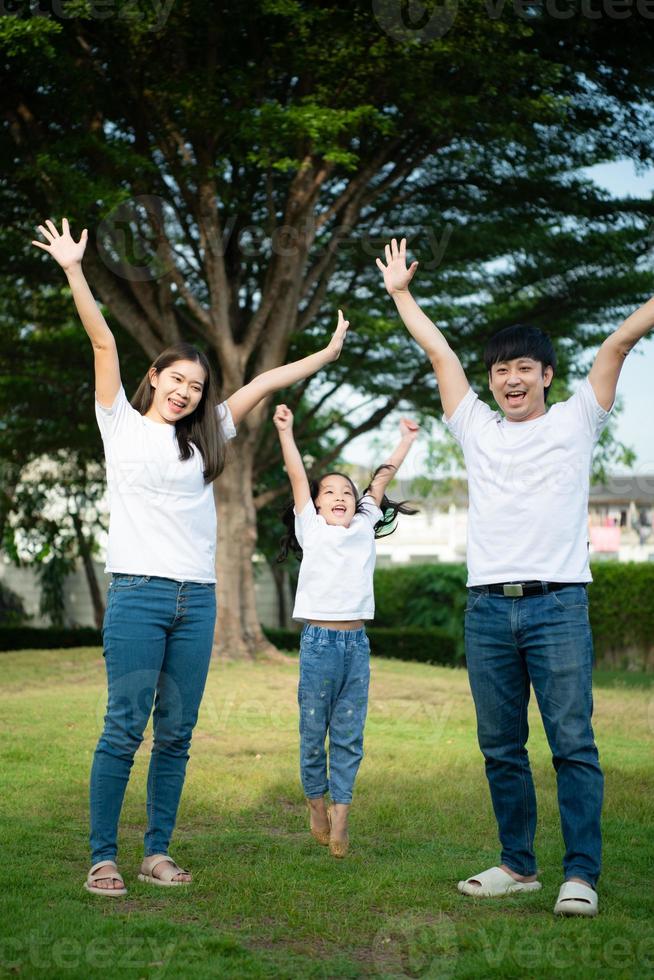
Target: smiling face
{"type": "Point", "coordinates": [177, 391]}
{"type": "Point", "coordinates": [518, 387]}
{"type": "Point", "coordinates": [336, 499]}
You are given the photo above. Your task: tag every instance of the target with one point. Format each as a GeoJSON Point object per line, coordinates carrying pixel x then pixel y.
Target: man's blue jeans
{"type": "Point", "coordinates": [157, 635]}
{"type": "Point", "coordinates": [333, 697]}
{"type": "Point", "coordinates": [544, 639]}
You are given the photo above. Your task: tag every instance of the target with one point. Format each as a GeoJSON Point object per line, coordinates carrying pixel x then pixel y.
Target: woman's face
{"type": "Point", "coordinates": [177, 391]}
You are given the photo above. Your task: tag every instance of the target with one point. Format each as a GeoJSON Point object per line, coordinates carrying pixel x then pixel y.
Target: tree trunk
{"type": "Point", "coordinates": [238, 631]}
{"type": "Point", "coordinates": [89, 571]}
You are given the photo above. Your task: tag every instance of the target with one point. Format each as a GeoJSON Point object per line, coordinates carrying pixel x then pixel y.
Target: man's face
{"type": "Point", "coordinates": [336, 501]}
{"type": "Point", "coordinates": [518, 387]}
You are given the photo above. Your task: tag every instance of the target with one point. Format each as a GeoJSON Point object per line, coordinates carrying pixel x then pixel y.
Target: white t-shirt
{"type": "Point", "coordinates": [335, 580]}
{"type": "Point", "coordinates": [528, 489]}
{"type": "Point", "coordinates": [162, 517]}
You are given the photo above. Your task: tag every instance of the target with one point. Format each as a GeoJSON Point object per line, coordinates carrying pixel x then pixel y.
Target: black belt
{"type": "Point", "coordinates": [514, 590]}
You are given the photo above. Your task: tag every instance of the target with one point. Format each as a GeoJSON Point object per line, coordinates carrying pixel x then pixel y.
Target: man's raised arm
{"type": "Point", "coordinates": [611, 356]}
{"type": "Point", "coordinates": [452, 382]}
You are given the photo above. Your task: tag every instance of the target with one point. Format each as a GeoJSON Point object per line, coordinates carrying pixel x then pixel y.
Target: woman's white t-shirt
{"type": "Point", "coordinates": [528, 489]}
{"type": "Point", "coordinates": [336, 573]}
{"type": "Point", "coordinates": [162, 517]}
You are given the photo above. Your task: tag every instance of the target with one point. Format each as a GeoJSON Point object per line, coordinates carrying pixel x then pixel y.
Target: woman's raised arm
{"type": "Point", "coordinates": [68, 254]}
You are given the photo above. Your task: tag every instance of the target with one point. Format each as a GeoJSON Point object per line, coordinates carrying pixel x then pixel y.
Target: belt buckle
{"type": "Point", "coordinates": [512, 590]}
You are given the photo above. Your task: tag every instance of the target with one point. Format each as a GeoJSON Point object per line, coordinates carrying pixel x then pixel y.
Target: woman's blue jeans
{"type": "Point", "coordinates": [545, 640]}
{"type": "Point", "coordinates": [158, 635]}
{"type": "Point", "coordinates": [333, 697]}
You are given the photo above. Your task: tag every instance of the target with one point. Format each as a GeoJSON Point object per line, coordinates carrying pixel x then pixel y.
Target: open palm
{"type": "Point", "coordinates": [396, 275]}
{"type": "Point", "coordinates": [62, 247]}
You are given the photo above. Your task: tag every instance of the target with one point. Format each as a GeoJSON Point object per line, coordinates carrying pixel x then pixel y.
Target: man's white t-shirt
{"type": "Point", "coordinates": [528, 489]}
{"type": "Point", "coordinates": [162, 517]}
{"type": "Point", "coordinates": [336, 573]}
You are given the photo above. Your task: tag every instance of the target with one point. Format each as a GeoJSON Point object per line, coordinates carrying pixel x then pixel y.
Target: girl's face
{"type": "Point", "coordinates": [336, 500]}
{"type": "Point", "coordinates": [177, 391]}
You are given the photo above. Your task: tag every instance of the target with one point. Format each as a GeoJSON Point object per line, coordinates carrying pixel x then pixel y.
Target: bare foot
{"type": "Point", "coordinates": [339, 814]}
{"type": "Point", "coordinates": [108, 882]}
{"type": "Point", "coordinates": [159, 867]}
{"type": "Point", "coordinates": [514, 874]}
{"type": "Point", "coordinates": [318, 819]}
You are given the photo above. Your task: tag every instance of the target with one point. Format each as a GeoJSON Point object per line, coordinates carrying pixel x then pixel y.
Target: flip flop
{"type": "Point", "coordinates": [576, 899]}
{"type": "Point", "coordinates": [166, 876]}
{"type": "Point", "coordinates": [92, 877]}
{"type": "Point", "coordinates": [495, 883]}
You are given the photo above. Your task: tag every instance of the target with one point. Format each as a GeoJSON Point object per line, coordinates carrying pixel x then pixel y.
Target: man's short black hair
{"type": "Point", "coordinates": [520, 341]}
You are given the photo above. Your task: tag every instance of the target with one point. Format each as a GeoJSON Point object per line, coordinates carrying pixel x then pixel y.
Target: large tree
{"type": "Point", "coordinates": [239, 165]}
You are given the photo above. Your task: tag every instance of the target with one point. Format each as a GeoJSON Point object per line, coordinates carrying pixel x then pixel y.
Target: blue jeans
{"type": "Point", "coordinates": [545, 640]}
{"type": "Point", "coordinates": [158, 635]}
{"type": "Point", "coordinates": [333, 697]}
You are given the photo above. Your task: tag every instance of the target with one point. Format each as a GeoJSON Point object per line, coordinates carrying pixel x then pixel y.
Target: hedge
{"type": "Point", "coordinates": [430, 646]}
{"type": "Point", "coordinates": [32, 638]}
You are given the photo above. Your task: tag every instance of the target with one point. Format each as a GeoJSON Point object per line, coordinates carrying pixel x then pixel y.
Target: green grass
{"type": "Point", "coordinates": [267, 901]}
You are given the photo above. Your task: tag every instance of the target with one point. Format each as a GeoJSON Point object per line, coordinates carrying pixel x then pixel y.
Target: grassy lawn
{"type": "Point", "coordinates": [267, 901]}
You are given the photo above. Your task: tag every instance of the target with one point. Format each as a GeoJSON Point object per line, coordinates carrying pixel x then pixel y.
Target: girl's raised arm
{"type": "Point", "coordinates": [283, 419]}
{"type": "Point", "coordinates": [244, 400]}
{"type": "Point", "coordinates": [409, 431]}
{"type": "Point", "coordinates": [68, 253]}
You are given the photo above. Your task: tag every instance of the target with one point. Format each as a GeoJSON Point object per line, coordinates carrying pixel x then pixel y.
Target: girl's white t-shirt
{"type": "Point", "coordinates": [528, 489]}
{"type": "Point", "coordinates": [336, 573]}
{"type": "Point", "coordinates": [162, 517]}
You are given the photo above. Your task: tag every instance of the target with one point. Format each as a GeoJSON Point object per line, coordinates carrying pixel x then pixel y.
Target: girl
{"type": "Point", "coordinates": [163, 452]}
{"type": "Point", "coordinates": [334, 531]}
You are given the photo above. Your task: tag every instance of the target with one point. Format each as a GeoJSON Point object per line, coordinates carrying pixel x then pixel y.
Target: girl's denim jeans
{"type": "Point", "coordinates": [157, 635]}
{"type": "Point", "coordinates": [544, 640]}
{"type": "Point", "coordinates": [333, 697]}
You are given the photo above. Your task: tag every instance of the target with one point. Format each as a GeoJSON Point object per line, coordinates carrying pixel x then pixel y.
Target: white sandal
{"type": "Point", "coordinates": [93, 877]}
{"type": "Point", "coordinates": [495, 883]}
{"type": "Point", "coordinates": [166, 877]}
{"type": "Point", "coordinates": [576, 899]}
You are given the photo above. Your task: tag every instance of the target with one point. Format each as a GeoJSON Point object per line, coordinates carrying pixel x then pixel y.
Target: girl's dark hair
{"type": "Point", "coordinates": [202, 427]}
{"type": "Point", "coordinates": [385, 526]}
{"type": "Point", "coordinates": [520, 341]}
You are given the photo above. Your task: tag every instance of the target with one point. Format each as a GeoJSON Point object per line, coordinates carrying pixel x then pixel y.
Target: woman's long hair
{"type": "Point", "coordinates": [200, 429]}
{"type": "Point", "coordinates": [384, 526]}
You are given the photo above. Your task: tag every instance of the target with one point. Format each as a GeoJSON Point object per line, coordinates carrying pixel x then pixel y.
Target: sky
{"type": "Point", "coordinates": [636, 388]}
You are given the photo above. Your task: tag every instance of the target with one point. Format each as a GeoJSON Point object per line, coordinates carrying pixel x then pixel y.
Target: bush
{"type": "Point", "coordinates": [430, 646]}
{"type": "Point", "coordinates": [621, 606]}
{"type": "Point", "coordinates": [12, 611]}
{"type": "Point", "coordinates": [31, 638]}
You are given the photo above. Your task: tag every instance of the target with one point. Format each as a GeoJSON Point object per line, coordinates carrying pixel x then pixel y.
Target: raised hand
{"type": "Point", "coordinates": [283, 418]}
{"type": "Point", "coordinates": [335, 345]}
{"type": "Point", "coordinates": [409, 430]}
{"type": "Point", "coordinates": [396, 275]}
{"type": "Point", "coordinates": [62, 247]}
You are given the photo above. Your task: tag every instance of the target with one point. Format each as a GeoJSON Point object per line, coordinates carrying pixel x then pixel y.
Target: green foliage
{"type": "Point", "coordinates": [33, 638]}
{"type": "Point", "coordinates": [621, 608]}
{"type": "Point", "coordinates": [621, 601]}
{"type": "Point", "coordinates": [12, 611]}
{"type": "Point", "coordinates": [426, 596]}
{"type": "Point", "coordinates": [429, 646]}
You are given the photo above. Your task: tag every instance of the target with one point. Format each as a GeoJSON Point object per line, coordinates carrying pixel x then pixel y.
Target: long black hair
{"type": "Point", "coordinates": [202, 427]}
{"type": "Point", "coordinates": [384, 526]}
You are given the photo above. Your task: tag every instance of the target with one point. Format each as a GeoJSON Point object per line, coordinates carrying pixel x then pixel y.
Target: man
{"type": "Point", "coordinates": [527, 611]}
